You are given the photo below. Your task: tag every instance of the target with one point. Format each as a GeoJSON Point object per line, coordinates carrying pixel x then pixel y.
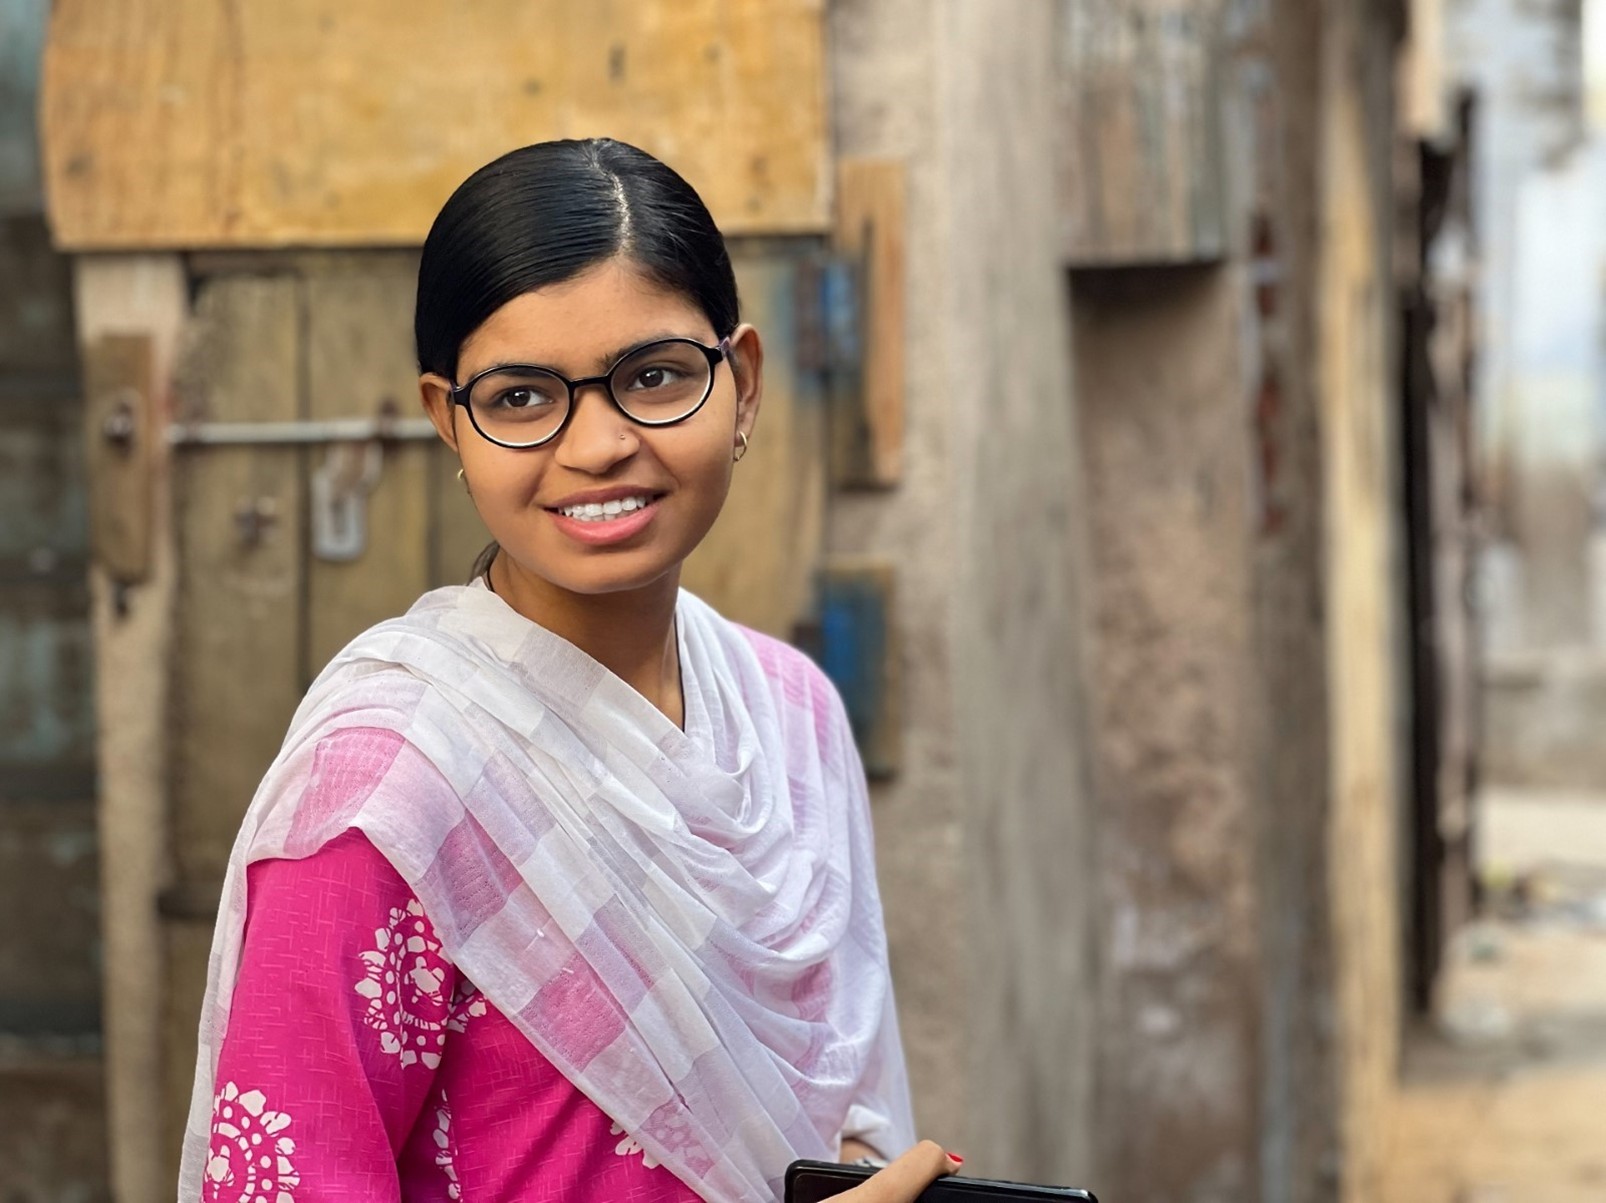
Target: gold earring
{"type": "Point", "coordinates": [742, 450]}
{"type": "Point", "coordinates": [462, 480]}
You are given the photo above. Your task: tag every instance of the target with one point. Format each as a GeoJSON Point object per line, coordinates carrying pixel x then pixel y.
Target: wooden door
{"type": "Point", "coordinates": [242, 604]}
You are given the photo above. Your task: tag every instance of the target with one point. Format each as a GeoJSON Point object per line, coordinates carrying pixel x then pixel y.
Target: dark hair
{"type": "Point", "coordinates": [543, 214]}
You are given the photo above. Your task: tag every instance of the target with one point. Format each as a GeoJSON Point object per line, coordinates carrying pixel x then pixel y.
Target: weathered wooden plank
{"type": "Point", "coordinates": [1140, 158]}
{"type": "Point", "coordinates": [41, 479]}
{"type": "Point", "coordinates": [47, 722]}
{"type": "Point", "coordinates": [757, 565]}
{"type": "Point", "coordinates": [183, 123]}
{"type": "Point", "coordinates": [359, 361]}
{"type": "Point", "coordinates": [238, 655]}
{"type": "Point", "coordinates": [132, 630]}
{"type": "Point", "coordinates": [49, 894]}
{"type": "Point", "coordinates": [867, 439]}
{"type": "Point", "coordinates": [457, 536]}
{"type": "Point", "coordinates": [53, 1128]}
{"type": "Point", "coordinates": [186, 948]}
{"type": "Point", "coordinates": [238, 637]}
{"type": "Point", "coordinates": [36, 330]}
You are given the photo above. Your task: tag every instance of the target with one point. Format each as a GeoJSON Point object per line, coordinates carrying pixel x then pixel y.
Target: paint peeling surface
{"type": "Point", "coordinates": [1140, 142]}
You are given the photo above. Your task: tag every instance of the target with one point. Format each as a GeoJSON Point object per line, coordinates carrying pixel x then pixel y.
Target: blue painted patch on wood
{"type": "Point", "coordinates": [855, 646]}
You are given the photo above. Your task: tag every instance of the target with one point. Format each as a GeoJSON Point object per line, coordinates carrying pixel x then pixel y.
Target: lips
{"type": "Point", "coordinates": [588, 497]}
{"type": "Point", "coordinates": [601, 519]}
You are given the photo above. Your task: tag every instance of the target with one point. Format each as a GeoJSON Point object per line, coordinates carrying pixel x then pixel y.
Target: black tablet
{"type": "Point", "coordinates": [813, 1181]}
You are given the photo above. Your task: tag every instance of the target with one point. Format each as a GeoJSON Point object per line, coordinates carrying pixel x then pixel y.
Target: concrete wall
{"type": "Point", "coordinates": [983, 841]}
{"type": "Point", "coordinates": [1168, 454]}
{"type": "Point", "coordinates": [1240, 434]}
{"type": "Point", "coordinates": [1300, 1160]}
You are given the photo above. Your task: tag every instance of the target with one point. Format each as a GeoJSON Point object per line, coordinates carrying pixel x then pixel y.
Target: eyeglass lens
{"type": "Point", "coordinates": [658, 383]}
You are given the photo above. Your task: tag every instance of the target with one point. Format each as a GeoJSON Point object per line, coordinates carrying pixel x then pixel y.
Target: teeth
{"type": "Point", "coordinates": [602, 512]}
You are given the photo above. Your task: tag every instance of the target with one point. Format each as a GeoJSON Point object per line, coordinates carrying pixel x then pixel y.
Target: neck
{"type": "Point", "coordinates": [631, 634]}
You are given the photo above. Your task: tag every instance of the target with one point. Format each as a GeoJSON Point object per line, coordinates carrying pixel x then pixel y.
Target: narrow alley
{"type": "Point", "coordinates": [1177, 438]}
{"type": "Point", "coordinates": [1503, 1098]}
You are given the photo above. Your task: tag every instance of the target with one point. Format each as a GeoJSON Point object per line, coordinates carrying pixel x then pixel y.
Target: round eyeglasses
{"type": "Point", "coordinates": [519, 405]}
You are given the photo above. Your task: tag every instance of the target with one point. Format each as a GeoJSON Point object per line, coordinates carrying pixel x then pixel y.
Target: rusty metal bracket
{"type": "Point", "coordinates": [118, 378]}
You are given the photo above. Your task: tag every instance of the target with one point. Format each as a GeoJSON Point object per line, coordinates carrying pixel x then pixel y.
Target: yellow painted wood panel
{"type": "Point", "coordinates": [188, 123]}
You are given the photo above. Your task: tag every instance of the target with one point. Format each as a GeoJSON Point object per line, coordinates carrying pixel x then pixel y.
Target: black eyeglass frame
{"type": "Point", "coordinates": [716, 355]}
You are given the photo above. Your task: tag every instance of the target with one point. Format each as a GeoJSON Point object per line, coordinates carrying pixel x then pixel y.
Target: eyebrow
{"type": "Point", "coordinates": [602, 362]}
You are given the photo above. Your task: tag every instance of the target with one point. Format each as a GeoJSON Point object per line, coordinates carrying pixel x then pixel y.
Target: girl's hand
{"type": "Point", "coordinates": [903, 1180]}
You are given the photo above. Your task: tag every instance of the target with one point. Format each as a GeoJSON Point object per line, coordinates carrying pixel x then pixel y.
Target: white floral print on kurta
{"type": "Point", "coordinates": [402, 977]}
{"type": "Point", "coordinates": [445, 1146]}
{"type": "Point", "coordinates": [630, 1147]}
{"type": "Point", "coordinates": [467, 1003]}
{"type": "Point", "coordinates": [249, 1158]}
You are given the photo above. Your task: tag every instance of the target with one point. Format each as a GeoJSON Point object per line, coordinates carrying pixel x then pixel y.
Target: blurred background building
{"type": "Point", "coordinates": [1182, 446]}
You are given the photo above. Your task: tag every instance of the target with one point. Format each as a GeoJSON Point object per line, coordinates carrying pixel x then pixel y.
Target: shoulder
{"type": "Point", "coordinates": [799, 686]}
{"type": "Point", "coordinates": [345, 882]}
{"type": "Point", "coordinates": [788, 666]}
{"type": "Point", "coordinates": [802, 690]}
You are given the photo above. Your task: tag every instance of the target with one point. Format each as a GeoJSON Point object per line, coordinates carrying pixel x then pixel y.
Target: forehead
{"type": "Point", "coordinates": [579, 324]}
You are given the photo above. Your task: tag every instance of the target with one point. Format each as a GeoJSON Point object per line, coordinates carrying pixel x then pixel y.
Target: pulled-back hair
{"type": "Point", "coordinates": [543, 214]}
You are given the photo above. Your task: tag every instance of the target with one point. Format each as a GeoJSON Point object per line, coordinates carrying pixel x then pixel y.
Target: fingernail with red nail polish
{"type": "Point", "coordinates": [956, 1159]}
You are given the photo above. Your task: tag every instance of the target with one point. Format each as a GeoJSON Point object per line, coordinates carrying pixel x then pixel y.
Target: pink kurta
{"type": "Point", "coordinates": [361, 1065]}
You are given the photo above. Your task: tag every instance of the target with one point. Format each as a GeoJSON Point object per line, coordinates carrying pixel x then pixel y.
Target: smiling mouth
{"type": "Point", "coordinates": [608, 511]}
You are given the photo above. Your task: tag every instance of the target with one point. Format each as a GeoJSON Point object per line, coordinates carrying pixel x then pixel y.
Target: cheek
{"type": "Point", "coordinates": [702, 469]}
{"type": "Point", "coordinates": [499, 479]}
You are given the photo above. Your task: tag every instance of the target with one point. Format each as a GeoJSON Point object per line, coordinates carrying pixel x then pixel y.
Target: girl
{"type": "Point", "coordinates": [561, 886]}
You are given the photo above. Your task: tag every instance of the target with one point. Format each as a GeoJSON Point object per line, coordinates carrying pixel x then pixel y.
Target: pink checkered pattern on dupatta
{"type": "Point", "coordinates": [685, 923]}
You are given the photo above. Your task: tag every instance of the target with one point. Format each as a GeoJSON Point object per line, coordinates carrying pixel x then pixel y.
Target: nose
{"type": "Point", "coordinates": [598, 436]}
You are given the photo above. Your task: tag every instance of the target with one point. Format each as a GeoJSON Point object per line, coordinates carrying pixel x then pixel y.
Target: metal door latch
{"type": "Point", "coordinates": [340, 489]}
{"type": "Point", "coordinates": [340, 485]}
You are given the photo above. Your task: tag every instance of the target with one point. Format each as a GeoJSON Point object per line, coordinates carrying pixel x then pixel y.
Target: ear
{"type": "Point", "coordinates": [747, 369]}
{"type": "Point", "coordinates": [436, 393]}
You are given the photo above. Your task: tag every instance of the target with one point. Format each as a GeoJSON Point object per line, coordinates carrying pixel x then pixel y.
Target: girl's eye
{"type": "Point", "coordinates": [657, 376]}
{"type": "Point", "coordinates": [520, 398]}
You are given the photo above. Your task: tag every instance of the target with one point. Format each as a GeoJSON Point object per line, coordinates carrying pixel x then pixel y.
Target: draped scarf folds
{"type": "Point", "coordinates": [685, 923]}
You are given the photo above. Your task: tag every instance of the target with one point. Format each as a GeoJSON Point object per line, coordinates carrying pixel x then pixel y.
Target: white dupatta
{"type": "Point", "coordinates": [685, 923]}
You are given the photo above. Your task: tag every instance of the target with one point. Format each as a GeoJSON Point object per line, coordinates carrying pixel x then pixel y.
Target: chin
{"type": "Point", "coordinates": [599, 577]}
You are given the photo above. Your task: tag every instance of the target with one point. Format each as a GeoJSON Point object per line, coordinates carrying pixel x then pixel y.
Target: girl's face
{"type": "Point", "coordinates": [578, 328]}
